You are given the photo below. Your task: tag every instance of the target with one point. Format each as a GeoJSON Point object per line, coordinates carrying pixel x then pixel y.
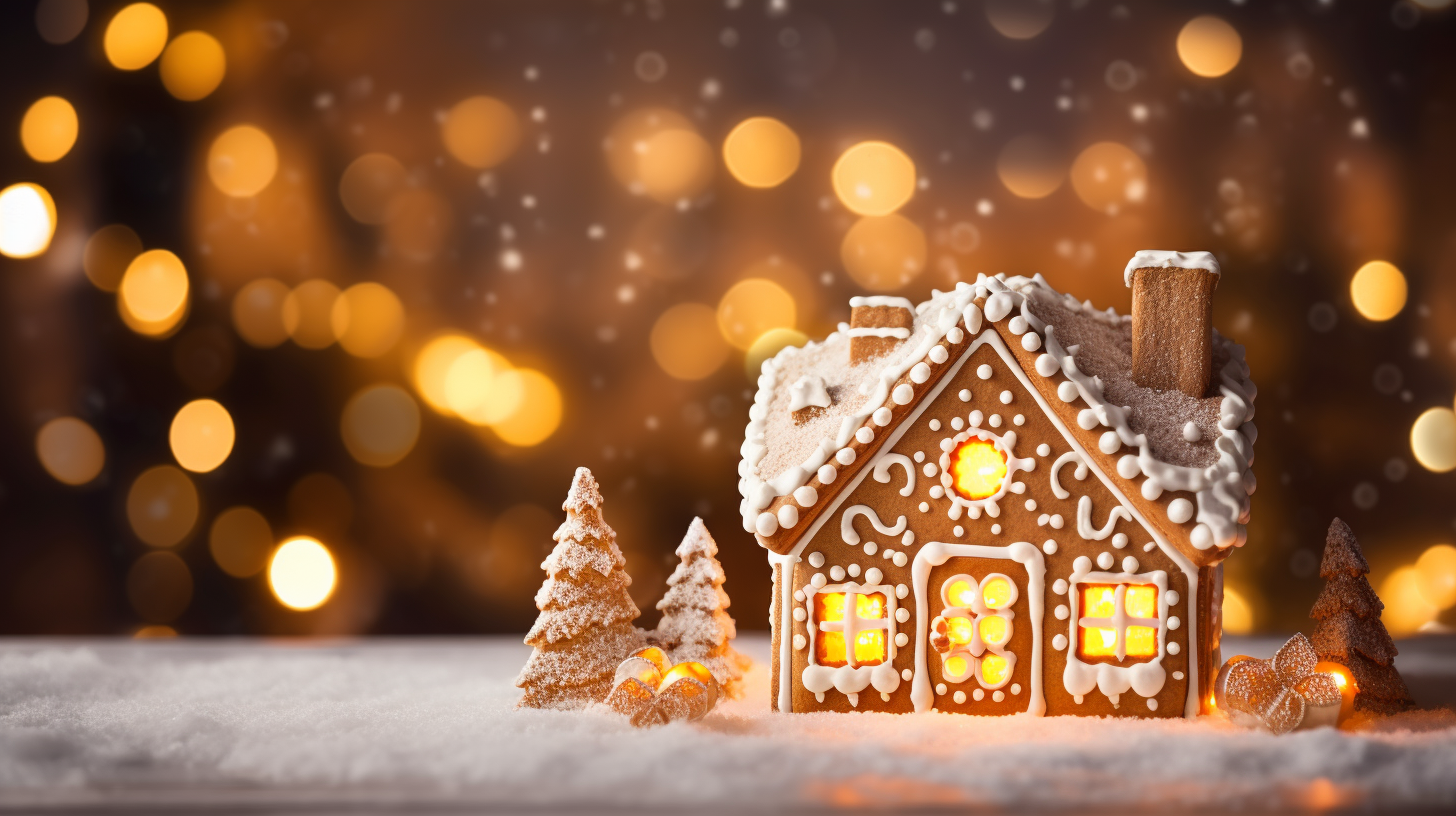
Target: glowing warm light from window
{"type": "Point", "coordinates": [1141, 601]}
{"type": "Point", "coordinates": [883, 253]}
{"type": "Point", "coordinates": [27, 220]}
{"type": "Point", "coordinates": [380, 425]}
{"type": "Point", "coordinates": [761, 152]}
{"type": "Point", "coordinates": [481, 132]}
{"type": "Point", "coordinates": [202, 435]}
{"type": "Point", "coordinates": [1437, 571]}
{"type": "Point", "coordinates": [752, 307]}
{"type": "Point", "coordinates": [1098, 601]}
{"type": "Point", "coordinates": [162, 506]}
{"type": "Point", "coordinates": [956, 666]}
{"type": "Point", "coordinates": [1209, 46]}
{"type": "Point", "coordinates": [1019, 19]}
{"type": "Point", "coordinates": [240, 541]}
{"type": "Point", "coordinates": [193, 66]}
{"type": "Point", "coordinates": [159, 586]}
{"type": "Point", "coordinates": [829, 606]}
{"type": "Point", "coordinates": [869, 607]}
{"type": "Point", "coordinates": [302, 574]}
{"type": "Point", "coordinates": [829, 649]}
{"type": "Point", "coordinates": [258, 313]}
{"type": "Point", "coordinates": [767, 345]}
{"type": "Point", "coordinates": [49, 129]}
{"type": "Point", "coordinates": [1378, 290]}
{"type": "Point", "coordinates": [996, 593]}
{"type": "Point", "coordinates": [135, 36]}
{"type": "Point", "coordinates": [482, 387]}
{"type": "Point", "coordinates": [432, 368]}
{"type": "Point", "coordinates": [960, 630]}
{"type": "Point", "coordinates": [994, 669]}
{"type": "Point", "coordinates": [994, 630]}
{"type": "Point", "coordinates": [242, 161]}
{"type": "Point", "coordinates": [1098, 642]}
{"type": "Point", "coordinates": [1142, 641]}
{"type": "Point", "coordinates": [1238, 615]}
{"type": "Point", "coordinates": [869, 647]}
{"type": "Point", "coordinates": [962, 593]}
{"type": "Point", "coordinates": [685, 342]}
{"type": "Point", "coordinates": [873, 178]}
{"type": "Point", "coordinates": [539, 412]}
{"type": "Point", "coordinates": [154, 291]}
{"type": "Point", "coordinates": [368, 319]}
{"type": "Point", "coordinates": [1031, 166]}
{"type": "Point", "coordinates": [70, 450]}
{"type": "Point", "coordinates": [1433, 439]}
{"type": "Point", "coordinates": [308, 313]}
{"type": "Point", "coordinates": [674, 165]}
{"type": "Point", "coordinates": [977, 469]}
{"type": "Point", "coordinates": [369, 186]}
{"type": "Point", "coordinates": [1108, 176]}
{"type": "Point", "coordinates": [109, 251]}
{"type": "Point", "coordinates": [1406, 609]}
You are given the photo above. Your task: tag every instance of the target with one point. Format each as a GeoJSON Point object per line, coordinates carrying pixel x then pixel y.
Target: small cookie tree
{"type": "Point", "coordinates": [1348, 630]}
{"type": "Point", "coordinates": [585, 626]}
{"type": "Point", "coordinates": [695, 624]}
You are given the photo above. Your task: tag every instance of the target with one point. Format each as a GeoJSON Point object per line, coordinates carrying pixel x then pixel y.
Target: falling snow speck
{"type": "Point", "coordinates": [650, 66]}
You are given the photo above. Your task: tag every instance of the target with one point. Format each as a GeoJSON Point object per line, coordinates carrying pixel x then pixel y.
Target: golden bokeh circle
{"type": "Point", "coordinates": [135, 36]}
{"type": "Point", "coordinates": [686, 343]}
{"type": "Point", "coordinates": [1433, 439]}
{"type": "Point", "coordinates": [538, 413]}
{"type": "Point", "coordinates": [1436, 569]}
{"type": "Point", "coordinates": [368, 319]}
{"type": "Point", "coordinates": [1378, 290]}
{"type": "Point", "coordinates": [49, 129]}
{"type": "Point", "coordinates": [674, 164]}
{"type": "Point", "coordinates": [70, 450]}
{"type": "Point", "coordinates": [162, 506]}
{"type": "Point", "coordinates": [482, 388]}
{"type": "Point", "coordinates": [193, 66]}
{"type": "Point", "coordinates": [202, 435]}
{"type": "Point", "coordinates": [1020, 19]}
{"type": "Point", "coordinates": [159, 586]}
{"type": "Point", "coordinates": [302, 574]}
{"type": "Point", "coordinates": [154, 288]}
{"type": "Point", "coordinates": [761, 152]}
{"type": "Point", "coordinates": [753, 306]}
{"type": "Point", "coordinates": [1031, 166]}
{"type": "Point", "coordinates": [242, 161]}
{"type": "Point", "coordinates": [883, 253]}
{"type": "Point", "coordinates": [628, 138]}
{"type": "Point", "coordinates": [431, 369]}
{"type": "Point", "coordinates": [308, 313]}
{"type": "Point", "coordinates": [240, 541]}
{"type": "Point", "coordinates": [1209, 46]}
{"type": "Point", "coordinates": [380, 425]}
{"type": "Point", "coordinates": [27, 220]}
{"type": "Point", "coordinates": [109, 251]}
{"type": "Point", "coordinates": [873, 178]}
{"type": "Point", "coordinates": [481, 132]}
{"type": "Point", "coordinates": [1406, 610]}
{"type": "Point", "coordinates": [1238, 615]}
{"type": "Point", "coordinates": [369, 185]}
{"type": "Point", "coordinates": [258, 313]}
{"type": "Point", "coordinates": [1108, 176]}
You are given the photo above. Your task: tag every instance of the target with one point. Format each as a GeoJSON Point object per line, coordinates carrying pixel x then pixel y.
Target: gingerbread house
{"type": "Point", "coordinates": [1002, 500]}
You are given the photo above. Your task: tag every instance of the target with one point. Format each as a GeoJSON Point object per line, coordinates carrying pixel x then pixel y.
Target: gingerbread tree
{"type": "Point", "coordinates": [695, 624]}
{"type": "Point", "coordinates": [585, 626]}
{"type": "Point", "coordinates": [1348, 628]}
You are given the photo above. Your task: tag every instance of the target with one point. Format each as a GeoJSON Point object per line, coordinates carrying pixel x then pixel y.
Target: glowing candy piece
{"type": "Point", "coordinates": [956, 668]}
{"type": "Point", "coordinates": [994, 630]}
{"type": "Point", "coordinates": [961, 593]}
{"type": "Point", "coordinates": [977, 469]}
{"type": "Point", "coordinates": [994, 669]}
{"type": "Point", "coordinates": [997, 592]}
{"type": "Point", "coordinates": [960, 630]}
{"type": "Point", "coordinates": [1278, 694]}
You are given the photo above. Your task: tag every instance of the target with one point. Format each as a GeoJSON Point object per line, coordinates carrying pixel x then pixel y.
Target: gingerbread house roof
{"type": "Point", "coordinates": [1159, 446]}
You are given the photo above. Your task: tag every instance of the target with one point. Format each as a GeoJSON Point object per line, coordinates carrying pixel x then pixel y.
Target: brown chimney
{"type": "Point", "coordinates": [1172, 319]}
{"type": "Point", "coordinates": [877, 324]}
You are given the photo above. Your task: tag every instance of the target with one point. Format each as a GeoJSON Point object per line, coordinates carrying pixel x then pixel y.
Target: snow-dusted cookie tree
{"type": "Point", "coordinates": [695, 625]}
{"type": "Point", "coordinates": [585, 626]}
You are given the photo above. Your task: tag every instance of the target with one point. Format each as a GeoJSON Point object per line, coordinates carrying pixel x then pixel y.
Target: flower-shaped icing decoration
{"type": "Point", "coordinates": [1275, 693]}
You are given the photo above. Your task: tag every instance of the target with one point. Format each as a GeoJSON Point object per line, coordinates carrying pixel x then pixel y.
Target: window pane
{"type": "Point", "coordinates": [829, 606]}
{"type": "Point", "coordinates": [956, 668]}
{"type": "Point", "coordinates": [1098, 600]}
{"type": "Point", "coordinates": [1142, 641]}
{"type": "Point", "coordinates": [1098, 642]}
{"type": "Point", "coordinates": [1141, 601]}
{"type": "Point", "coordinates": [994, 669]}
{"type": "Point", "coordinates": [829, 649]}
{"type": "Point", "coordinates": [994, 630]}
{"type": "Point", "coordinates": [961, 593]}
{"type": "Point", "coordinates": [870, 607]}
{"type": "Point", "coordinates": [996, 593]}
{"type": "Point", "coordinates": [959, 630]}
{"type": "Point", "coordinates": [869, 647]}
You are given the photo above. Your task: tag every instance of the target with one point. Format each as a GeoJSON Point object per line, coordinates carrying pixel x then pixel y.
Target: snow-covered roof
{"type": "Point", "coordinates": [1172, 442]}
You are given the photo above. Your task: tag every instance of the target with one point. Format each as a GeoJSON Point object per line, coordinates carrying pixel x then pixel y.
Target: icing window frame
{"type": "Point", "coordinates": [965, 656]}
{"type": "Point", "coordinates": [1118, 621]}
{"type": "Point", "coordinates": [1113, 678]}
{"type": "Point", "coordinates": [1005, 445]}
{"type": "Point", "coordinates": [850, 625]}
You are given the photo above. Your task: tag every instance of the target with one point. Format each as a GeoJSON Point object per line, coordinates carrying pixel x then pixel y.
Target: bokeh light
{"type": "Point", "coordinates": [417, 223]}
{"type": "Point", "coordinates": [1238, 615]}
{"type": "Point", "coordinates": [159, 586]}
{"type": "Point", "coordinates": [368, 319]}
{"type": "Point", "coordinates": [752, 307]}
{"type": "Point", "coordinates": [60, 21]}
{"type": "Point", "coordinates": [874, 178]}
{"type": "Point", "coordinates": [1020, 19]}
{"type": "Point", "coordinates": [153, 292]}
{"type": "Point", "coordinates": [380, 425]}
{"type": "Point", "coordinates": [538, 413]}
{"type": "Point", "coordinates": [1436, 569]}
{"type": "Point", "coordinates": [242, 161]}
{"type": "Point", "coordinates": [1433, 439]}
{"type": "Point", "coordinates": [162, 506]}
{"type": "Point", "coordinates": [1378, 290]}
{"type": "Point", "coordinates": [767, 345]}
{"type": "Point", "coordinates": [193, 66]}
{"type": "Point", "coordinates": [308, 314]}
{"type": "Point", "coordinates": [883, 253]}
{"type": "Point", "coordinates": [240, 541]}
{"type": "Point", "coordinates": [70, 450]}
{"type": "Point", "coordinates": [481, 388]}
{"type": "Point", "coordinates": [674, 165]}
{"type": "Point", "coordinates": [258, 313]}
{"type": "Point", "coordinates": [49, 129]}
{"type": "Point", "coordinates": [432, 367]}
{"type": "Point", "coordinates": [628, 138]}
{"type": "Point", "coordinates": [109, 251]}
{"type": "Point", "coordinates": [1031, 166]}
{"type": "Point", "coordinates": [481, 132]}
{"type": "Point", "coordinates": [686, 343]}
{"type": "Point", "coordinates": [1209, 46]}
{"type": "Point", "coordinates": [1406, 609]}
{"type": "Point", "coordinates": [369, 186]}
{"type": "Point", "coordinates": [202, 435]}
{"type": "Point", "coordinates": [761, 152]}
{"type": "Point", "coordinates": [135, 36]}
{"type": "Point", "coordinates": [1107, 176]}
{"type": "Point", "coordinates": [27, 220]}
{"type": "Point", "coordinates": [302, 574]}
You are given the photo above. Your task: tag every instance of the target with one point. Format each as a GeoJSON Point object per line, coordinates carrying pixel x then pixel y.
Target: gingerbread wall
{"type": "Point", "coordinates": [983, 383]}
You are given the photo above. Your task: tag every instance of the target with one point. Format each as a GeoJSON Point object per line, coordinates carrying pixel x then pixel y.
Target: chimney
{"type": "Point", "coordinates": [877, 324]}
{"type": "Point", "coordinates": [1172, 319]}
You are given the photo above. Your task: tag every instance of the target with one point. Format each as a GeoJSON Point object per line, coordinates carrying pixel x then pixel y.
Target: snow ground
{"type": "Point", "coordinates": [415, 725]}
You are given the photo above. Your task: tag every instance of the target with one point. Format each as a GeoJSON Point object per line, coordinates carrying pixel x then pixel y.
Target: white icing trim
{"type": "Point", "coordinates": [899, 333]}
{"type": "Point", "coordinates": [1168, 258]}
{"type": "Point", "coordinates": [850, 679]}
{"type": "Point", "coordinates": [1145, 678]}
{"type": "Point", "coordinates": [1084, 520]}
{"type": "Point", "coordinates": [808, 390]}
{"type": "Point", "coordinates": [882, 472]}
{"type": "Point", "coordinates": [881, 300]}
{"type": "Point", "coordinates": [846, 524]}
{"type": "Point", "coordinates": [1080, 473]}
{"type": "Point", "coordinates": [935, 553]}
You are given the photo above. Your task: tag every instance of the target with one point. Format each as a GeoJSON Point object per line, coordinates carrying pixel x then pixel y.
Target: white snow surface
{"type": "Point", "coordinates": [432, 723]}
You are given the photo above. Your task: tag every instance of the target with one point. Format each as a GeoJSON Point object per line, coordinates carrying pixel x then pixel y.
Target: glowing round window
{"type": "Point", "coordinates": [994, 630]}
{"type": "Point", "coordinates": [977, 469]}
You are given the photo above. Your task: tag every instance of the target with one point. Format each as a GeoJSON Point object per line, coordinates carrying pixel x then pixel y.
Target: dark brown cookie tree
{"type": "Point", "coordinates": [1348, 628]}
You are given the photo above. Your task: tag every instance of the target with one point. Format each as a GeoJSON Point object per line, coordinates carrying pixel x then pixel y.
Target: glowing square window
{"type": "Point", "coordinates": [869, 628]}
{"type": "Point", "coordinates": [1117, 622]}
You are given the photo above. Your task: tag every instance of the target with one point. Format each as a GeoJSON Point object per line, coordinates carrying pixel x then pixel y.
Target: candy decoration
{"type": "Point", "coordinates": [1281, 694]}
{"type": "Point", "coordinates": [648, 695]}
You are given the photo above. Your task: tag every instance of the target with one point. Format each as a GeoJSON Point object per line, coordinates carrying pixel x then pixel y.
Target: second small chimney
{"type": "Point", "coordinates": [877, 324]}
{"type": "Point", "coordinates": [1172, 319]}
